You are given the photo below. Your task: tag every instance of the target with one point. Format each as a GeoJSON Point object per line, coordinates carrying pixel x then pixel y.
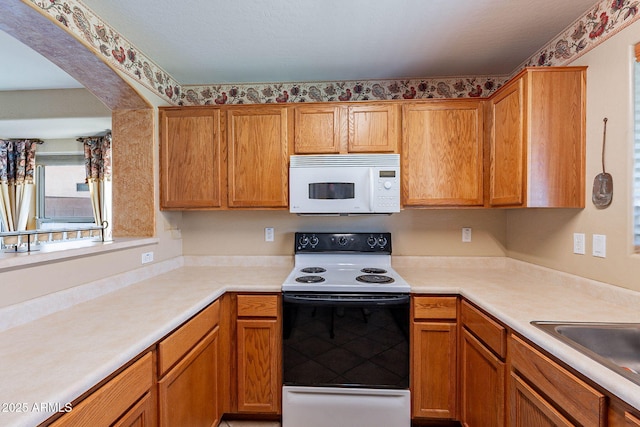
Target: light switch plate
{"type": "Point", "coordinates": [466, 234]}
{"type": "Point", "coordinates": [269, 234]}
{"type": "Point", "coordinates": [600, 245]}
{"type": "Point", "coordinates": [578, 243]}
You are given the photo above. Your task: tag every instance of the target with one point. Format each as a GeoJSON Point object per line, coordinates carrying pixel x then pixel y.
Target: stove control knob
{"type": "Point", "coordinates": [342, 240]}
{"type": "Point", "coordinates": [304, 240]}
{"type": "Point", "coordinates": [372, 241]}
{"type": "Point", "coordinates": [314, 241]}
{"type": "Point", "coordinates": [382, 241]}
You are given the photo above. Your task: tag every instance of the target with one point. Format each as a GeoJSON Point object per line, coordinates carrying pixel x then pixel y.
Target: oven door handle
{"type": "Point", "coordinates": [346, 299]}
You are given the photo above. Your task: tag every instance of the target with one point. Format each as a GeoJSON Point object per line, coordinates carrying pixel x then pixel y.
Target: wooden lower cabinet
{"type": "Point", "coordinates": [563, 392]}
{"type": "Point", "coordinates": [188, 394]}
{"type": "Point", "coordinates": [434, 368]}
{"type": "Point", "coordinates": [188, 371]}
{"type": "Point", "coordinates": [631, 421]}
{"type": "Point", "coordinates": [529, 409]}
{"type": "Point", "coordinates": [434, 357]}
{"type": "Point", "coordinates": [482, 385]}
{"type": "Point", "coordinates": [483, 349]}
{"type": "Point", "coordinates": [259, 354]}
{"type": "Point", "coordinates": [140, 415]}
{"type": "Point", "coordinates": [123, 401]}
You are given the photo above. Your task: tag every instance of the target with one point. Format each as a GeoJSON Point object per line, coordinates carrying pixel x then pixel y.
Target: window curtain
{"type": "Point", "coordinates": [17, 185]}
{"type": "Point", "coordinates": [97, 159]}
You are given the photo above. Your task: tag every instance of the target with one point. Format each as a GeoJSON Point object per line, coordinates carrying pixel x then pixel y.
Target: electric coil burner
{"type": "Point", "coordinates": [309, 279]}
{"type": "Point", "coordinates": [374, 278]}
{"type": "Point", "coordinates": [344, 263]}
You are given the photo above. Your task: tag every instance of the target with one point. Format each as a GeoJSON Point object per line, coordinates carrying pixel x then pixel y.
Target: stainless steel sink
{"type": "Point", "coordinates": [615, 345]}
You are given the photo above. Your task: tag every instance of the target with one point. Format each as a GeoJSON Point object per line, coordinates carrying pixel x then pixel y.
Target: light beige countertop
{"type": "Point", "coordinates": [54, 359]}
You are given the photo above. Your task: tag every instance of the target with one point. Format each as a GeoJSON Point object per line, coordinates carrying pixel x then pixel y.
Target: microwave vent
{"type": "Point", "coordinates": [345, 160]}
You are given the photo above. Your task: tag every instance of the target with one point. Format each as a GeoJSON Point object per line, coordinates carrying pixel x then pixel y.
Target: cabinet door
{"type": "Point", "coordinates": [561, 388]}
{"type": "Point", "coordinates": [556, 124]}
{"type": "Point", "coordinates": [112, 401]}
{"type": "Point", "coordinates": [442, 154]}
{"type": "Point", "coordinates": [482, 385]}
{"type": "Point", "coordinates": [373, 128]}
{"type": "Point", "coordinates": [508, 155]}
{"type": "Point", "coordinates": [319, 129]}
{"type": "Point", "coordinates": [259, 361]}
{"type": "Point", "coordinates": [258, 157]}
{"type": "Point", "coordinates": [140, 415]}
{"type": "Point", "coordinates": [191, 159]}
{"type": "Point", "coordinates": [188, 393]}
{"type": "Point", "coordinates": [433, 389]}
{"type": "Point", "coordinates": [529, 409]}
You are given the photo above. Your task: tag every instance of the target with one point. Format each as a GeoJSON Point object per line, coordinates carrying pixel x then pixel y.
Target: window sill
{"type": "Point", "coordinates": [57, 252]}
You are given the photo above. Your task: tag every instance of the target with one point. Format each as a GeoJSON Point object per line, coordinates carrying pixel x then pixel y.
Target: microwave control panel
{"type": "Point", "coordinates": [387, 190]}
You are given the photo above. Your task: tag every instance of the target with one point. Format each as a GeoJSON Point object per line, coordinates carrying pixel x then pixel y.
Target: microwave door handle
{"type": "Point", "coordinates": [372, 186]}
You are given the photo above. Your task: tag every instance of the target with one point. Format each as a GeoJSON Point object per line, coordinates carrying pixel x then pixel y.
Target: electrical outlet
{"type": "Point", "coordinates": [269, 234]}
{"type": "Point", "coordinates": [147, 257]}
{"type": "Point", "coordinates": [600, 245]}
{"type": "Point", "coordinates": [578, 243]}
{"type": "Point", "coordinates": [466, 234]}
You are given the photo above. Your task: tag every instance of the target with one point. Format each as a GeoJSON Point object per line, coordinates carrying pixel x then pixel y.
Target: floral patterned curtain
{"type": "Point", "coordinates": [17, 185]}
{"type": "Point", "coordinates": [97, 159]}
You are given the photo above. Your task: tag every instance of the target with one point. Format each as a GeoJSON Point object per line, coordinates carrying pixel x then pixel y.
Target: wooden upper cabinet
{"type": "Point", "coordinates": [258, 157]}
{"type": "Point", "coordinates": [337, 128]}
{"type": "Point", "coordinates": [508, 155]}
{"type": "Point", "coordinates": [191, 158]}
{"type": "Point", "coordinates": [442, 153]}
{"type": "Point", "coordinates": [538, 139]}
{"type": "Point", "coordinates": [373, 128]}
{"type": "Point", "coordinates": [319, 129]}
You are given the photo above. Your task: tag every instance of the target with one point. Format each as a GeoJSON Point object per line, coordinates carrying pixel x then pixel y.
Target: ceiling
{"type": "Point", "coordinates": [221, 41]}
{"type": "Point", "coordinates": [28, 70]}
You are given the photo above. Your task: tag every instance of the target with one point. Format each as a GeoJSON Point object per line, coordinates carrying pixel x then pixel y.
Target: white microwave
{"type": "Point", "coordinates": [344, 184]}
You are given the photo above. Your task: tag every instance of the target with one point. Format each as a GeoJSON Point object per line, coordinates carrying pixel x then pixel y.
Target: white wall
{"type": "Point", "coordinates": [38, 279]}
{"type": "Point", "coordinates": [545, 237]}
{"type": "Point", "coordinates": [415, 232]}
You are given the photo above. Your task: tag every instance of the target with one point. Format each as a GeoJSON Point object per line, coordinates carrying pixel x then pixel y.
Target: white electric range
{"type": "Point", "coordinates": [345, 334]}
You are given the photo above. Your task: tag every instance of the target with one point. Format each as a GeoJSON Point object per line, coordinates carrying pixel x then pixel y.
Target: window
{"type": "Point", "coordinates": [63, 198]}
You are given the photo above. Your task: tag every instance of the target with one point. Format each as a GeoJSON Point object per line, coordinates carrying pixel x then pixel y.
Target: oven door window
{"type": "Point", "coordinates": [349, 346]}
{"type": "Point", "coordinates": [332, 190]}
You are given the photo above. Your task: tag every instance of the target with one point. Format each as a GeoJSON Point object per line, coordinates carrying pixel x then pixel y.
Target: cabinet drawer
{"type": "Point", "coordinates": [631, 421]}
{"type": "Point", "coordinates": [257, 306]}
{"type": "Point", "coordinates": [434, 307]}
{"type": "Point", "coordinates": [585, 404]}
{"type": "Point", "coordinates": [172, 348]}
{"type": "Point", "coordinates": [490, 332]}
{"type": "Point", "coordinates": [113, 399]}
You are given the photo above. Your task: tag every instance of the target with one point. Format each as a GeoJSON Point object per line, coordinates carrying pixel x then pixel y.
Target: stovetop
{"type": "Point", "coordinates": [344, 263]}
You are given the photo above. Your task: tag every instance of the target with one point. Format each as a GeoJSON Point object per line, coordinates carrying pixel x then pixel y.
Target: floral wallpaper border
{"type": "Point", "coordinates": [601, 22]}
{"type": "Point", "coordinates": [261, 93]}
{"type": "Point", "coordinates": [110, 45]}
